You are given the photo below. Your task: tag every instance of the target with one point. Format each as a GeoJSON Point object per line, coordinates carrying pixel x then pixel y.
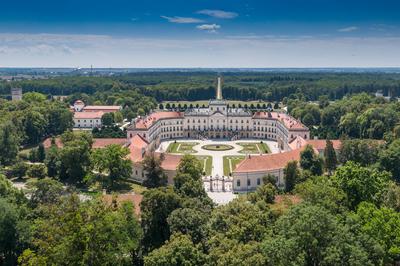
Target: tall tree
{"type": "Point", "coordinates": [155, 176]}
{"type": "Point", "coordinates": [292, 174]}
{"type": "Point", "coordinates": [75, 157]}
{"type": "Point", "coordinates": [361, 183]}
{"type": "Point", "coordinates": [112, 161]}
{"type": "Point", "coordinates": [309, 160]}
{"type": "Point", "coordinates": [330, 157]}
{"type": "Point", "coordinates": [156, 206]}
{"type": "Point", "coordinates": [179, 250]}
{"type": "Point", "coordinates": [9, 144]}
{"type": "Point", "coordinates": [389, 159]}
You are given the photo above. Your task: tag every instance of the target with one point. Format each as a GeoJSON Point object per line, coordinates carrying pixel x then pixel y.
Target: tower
{"type": "Point", "coordinates": [16, 94]}
{"type": "Point", "coordinates": [219, 89]}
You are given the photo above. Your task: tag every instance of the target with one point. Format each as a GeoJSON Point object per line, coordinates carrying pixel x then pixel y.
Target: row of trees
{"type": "Point", "coordinates": [359, 116]}
{"type": "Point", "coordinates": [191, 86]}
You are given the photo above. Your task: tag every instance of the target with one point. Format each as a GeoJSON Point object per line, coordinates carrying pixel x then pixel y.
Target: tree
{"type": "Point", "coordinates": [361, 183]}
{"type": "Point", "coordinates": [45, 191]}
{"type": "Point", "coordinates": [291, 173]}
{"type": "Point", "coordinates": [8, 232]}
{"type": "Point", "coordinates": [74, 157]}
{"type": "Point", "coordinates": [383, 225]}
{"type": "Point", "coordinates": [310, 161]}
{"type": "Point", "coordinates": [322, 191]}
{"type": "Point", "coordinates": [9, 144]}
{"type": "Point", "coordinates": [52, 161]}
{"type": "Point", "coordinates": [37, 171]}
{"type": "Point", "coordinates": [389, 159]}
{"type": "Point", "coordinates": [107, 119]}
{"type": "Point", "coordinates": [311, 235]}
{"type": "Point", "coordinates": [118, 117]}
{"type": "Point", "coordinates": [19, 169]}
{"type": "Point", "coordinates": [35, 127]}
{"type": "Point", "coordinates": [362, 151]}
{"type": "Point", "coordinates": [179, 250]}
{"type": "Point", "coordinates": [112, 161]}
{"type": "Point", "coordinates": [189, 221]}
{"type": "Point", "coordinates": [330, 157]}
{"type": "Point", "coordinates": [264, 193]}
{"type": "Point", "coordinates": [85, 233]}
{"type": "Point", "coordinates": [188, 182]}
{"type": "Point", "coordinates": [156, 206]}
{"type": "Point", "coordinates": [155, 176]}
{"type": "Point", "coordinates": [41, 153]}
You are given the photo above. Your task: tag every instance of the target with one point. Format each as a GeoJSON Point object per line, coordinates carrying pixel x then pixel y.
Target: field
{"type": "Point", "coordinates": [206, 163]}
{"type": "Point", "coordinates": [254, 147]}
{"type": "Point", "coordinates": [182, 147]}
{"type": "Point", "coordinates": [230, 163]}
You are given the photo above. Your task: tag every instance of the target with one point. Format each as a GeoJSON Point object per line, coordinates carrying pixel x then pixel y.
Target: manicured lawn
{"type": "Point", "coordinates": [254, 147]}
{"type": "Point", "coordinates": [230, 163]}
{"type": "Point", "coordinates": [206, 163]}
{"type": "Point", "coordinates": [182, 147]}
{"type": "Point", "coordinates": [217, 147]}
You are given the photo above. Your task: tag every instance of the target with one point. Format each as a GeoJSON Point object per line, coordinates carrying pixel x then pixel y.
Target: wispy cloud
{"type": "Point", "coordinates": [348, 29]}
{"type": "Point", "coordinates": [218, 13]}
{"type": "Point", "coordinates": [182, 20]}
{"type": "Point", "coordinates": [57, 50]}
{"type": "Point", "coordinates": [213, 28]}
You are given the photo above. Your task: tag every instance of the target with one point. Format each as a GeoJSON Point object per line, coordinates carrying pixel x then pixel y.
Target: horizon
{"type": "Point", "coordinates": [206, 34]}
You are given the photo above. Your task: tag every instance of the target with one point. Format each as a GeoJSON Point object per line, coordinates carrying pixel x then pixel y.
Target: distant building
{"type": "Point", "coordinates": [379, 94]}
{"type": "Point", "coordinates": [89, 116]}
{"type": "Point", "coordinates": [16, 94]}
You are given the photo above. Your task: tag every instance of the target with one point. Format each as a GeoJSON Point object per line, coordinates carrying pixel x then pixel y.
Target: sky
{"type": "Point", "coordinates": [200, 33]}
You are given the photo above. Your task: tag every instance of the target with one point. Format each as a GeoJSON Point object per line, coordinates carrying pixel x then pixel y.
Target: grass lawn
{"type": "Point", "coordinates": [182, 147]}
{"type": "Point", "coordinates": [254, 147]}
{"type": "Point", "coordinates": [217, 147]}
{"type": "Point", "coordinates": [206, 163]}
{"type": "Point", "coordinates": [231, 161]}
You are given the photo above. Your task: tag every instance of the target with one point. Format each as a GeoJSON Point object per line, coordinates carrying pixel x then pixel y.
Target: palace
{"type": "Point", "coordinates": [218, 121]}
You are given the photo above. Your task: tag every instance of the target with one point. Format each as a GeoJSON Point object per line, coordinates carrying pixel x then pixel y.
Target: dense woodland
{"type": "Point", "coordinates": [337, 209]}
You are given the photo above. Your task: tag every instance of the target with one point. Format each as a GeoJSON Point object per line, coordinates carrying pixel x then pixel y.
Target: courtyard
{"type": "Point", "coordinates": [219, 157]}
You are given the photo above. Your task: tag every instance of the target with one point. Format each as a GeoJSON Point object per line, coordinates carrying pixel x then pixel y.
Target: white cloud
{"type": "Point", "coordinates": [348, 29]}
{"type": "Point", "coordinates": [218, 13]}
{"type": "Point", "coordinates": [209, 27]}
{"type": "Point", "coordinates": [68, 50]}
{"type": "Point", "coordinates": [182, 20]}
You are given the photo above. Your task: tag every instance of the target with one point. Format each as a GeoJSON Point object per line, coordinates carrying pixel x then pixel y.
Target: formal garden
{"type": "Point", "coordinates": [254, 147]}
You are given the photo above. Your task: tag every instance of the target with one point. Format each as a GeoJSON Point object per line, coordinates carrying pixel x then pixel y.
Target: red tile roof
{"type": "Point", "coordinates": [148, 121]}
{"type": "Point", "coordinates": [101, 143]}
{"type": "Point", "coordinates": [137, 147]}
{"type": "Point", "coordinates": [171, 161]}
{"type": "Point", "coordinates": [287, 120]}
{"type": "Point", "coordinates": [104, 108]}
{"type": "Point", "coordinates": [88, 115]}
{"type": "Point", "coordinates": [262, 163]}
{"type": "Point", "coordinates": [320, 144]}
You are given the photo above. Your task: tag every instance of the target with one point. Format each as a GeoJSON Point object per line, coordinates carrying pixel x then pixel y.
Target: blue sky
{"type": "Point", "coordinates": [200, 33]}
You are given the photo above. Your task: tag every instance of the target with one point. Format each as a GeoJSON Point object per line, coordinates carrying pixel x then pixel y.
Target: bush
{"type": "Point", "coordinates": [37, 171]}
